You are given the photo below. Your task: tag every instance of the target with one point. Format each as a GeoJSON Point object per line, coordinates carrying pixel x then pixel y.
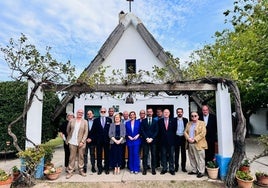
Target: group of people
{"type": "Point", "coordinates": [160, 139]}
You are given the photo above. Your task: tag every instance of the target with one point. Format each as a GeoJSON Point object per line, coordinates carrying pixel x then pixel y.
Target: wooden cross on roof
{"type": "Point", "coordinates": [130, 4]}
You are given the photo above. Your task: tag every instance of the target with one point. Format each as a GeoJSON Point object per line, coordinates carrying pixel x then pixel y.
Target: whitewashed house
{"type": "Point", "coordinates": [130, 48]}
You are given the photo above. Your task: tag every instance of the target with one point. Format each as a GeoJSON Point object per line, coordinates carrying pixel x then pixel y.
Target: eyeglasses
{"type": "Point", "coordinates": [103, 111]}
{"type": "Point", "coordinates": [193, 115]}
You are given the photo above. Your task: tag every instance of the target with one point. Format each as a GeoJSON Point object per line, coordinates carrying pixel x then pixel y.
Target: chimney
{"type": "Point", "coordinates": [121, 16]}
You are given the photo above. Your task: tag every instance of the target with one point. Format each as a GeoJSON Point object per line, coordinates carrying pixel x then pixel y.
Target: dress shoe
{"type": "Point", "coordinates": [69, 175]}
{"type": "Point", "coordinates": [172, 172]}
{"type": "Point", "coordinates": [144, 172]}
{"type": "Point", "coordinates": [184, 170]}
{"type": "Point", "coordinates": [153, 172]}
{"type": "Point", "coordinates": [99, 172]}
{"type": "Point", "coordinates": [85, 170]}
{"type": "Point", "coordinates": [192, 173]}
{"type": "Point", "coordinates": [163, 172]}
{"type": "Point", "coordinates": [107, 171]}
{"type": "Point", "coordinates": [93, 170]}
{"type": "Point", "coordinates": [200, 175]}
{"type": "Point", "coordinates": [82, 173]}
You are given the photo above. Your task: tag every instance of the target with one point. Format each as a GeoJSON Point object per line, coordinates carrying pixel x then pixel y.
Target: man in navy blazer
{"type": "Point", "coordinates": [180, 122]}
{"type": "Point", "coordinates": [100, 136]}
{"type": "Point", "coordinates": [149, 132]}
{"type": "Point", "coordinates": [211, 136]}
{"type": "Point", "coordinates": [167, 132]}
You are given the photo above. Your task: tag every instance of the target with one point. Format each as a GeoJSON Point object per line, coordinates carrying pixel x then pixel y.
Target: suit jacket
{"type": "Point", "coordinates": [133, 133]}
{"type": "Point", "coordinates": [101, 134]}
{"type": "Point", "coordinates": [211, 135]}
{"type": "Point", "coordinates": [122, 132]}
{"type": "Point", "coordinates": [82, 133]}
{"type": "Point", "coordinates": [199, 134]}
{"type": "Point", "coordinates": [167, 137]}
{"type": "Point", "coordinates": [90, 135]}
{"type": "Point", "coordinates": [149, 131]}
{"type": "Point", "coordinates": [185, 121]}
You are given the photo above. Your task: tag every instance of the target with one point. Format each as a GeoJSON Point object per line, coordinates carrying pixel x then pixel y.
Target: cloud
{"type": "Point", "coordinates": [76, 29]}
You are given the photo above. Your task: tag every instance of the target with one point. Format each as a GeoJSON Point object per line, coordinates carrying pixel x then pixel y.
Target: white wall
{"type": "Point", "coordinates": [131, 46]}
{"type": "Point", "coordinates": [139, 102]}
{"type": "Point", "coordinates": [259, 121]}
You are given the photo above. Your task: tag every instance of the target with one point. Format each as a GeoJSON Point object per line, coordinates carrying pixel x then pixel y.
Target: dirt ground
{"type": "Point", "coordinates": [136, 184]}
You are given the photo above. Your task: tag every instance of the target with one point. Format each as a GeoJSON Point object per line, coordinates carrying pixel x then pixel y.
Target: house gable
{"type": "Point", "coordinates": [130, 48]}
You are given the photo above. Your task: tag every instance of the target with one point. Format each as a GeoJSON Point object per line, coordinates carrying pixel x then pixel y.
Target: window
{"type": "Point", "coordinates": [130, 66]}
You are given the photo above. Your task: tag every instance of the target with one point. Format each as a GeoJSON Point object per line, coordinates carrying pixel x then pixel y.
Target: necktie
{"type": "Point", "coordinates": [166, 124]}
{"type": "Point", "coordinates": [150, 121]}
{"type": "Point", "coordinates": [103, 121]}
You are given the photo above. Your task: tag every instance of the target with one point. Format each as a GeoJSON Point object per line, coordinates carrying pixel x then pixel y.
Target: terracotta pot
{"type": "Point", "coordinates": [7, 183]}
{"type": "Point", "coordinates": [213, 172]}
{"type": "Point", "coordinates": [262, 180]}
{"type": "Point", "coordinates": [53, 176]}
{"type": "Point", "coordinates": [244, 183]}
{"type": "Point", "coordinates": [244, 168]}
{"type": "Point", "coordinates": [15, 175]}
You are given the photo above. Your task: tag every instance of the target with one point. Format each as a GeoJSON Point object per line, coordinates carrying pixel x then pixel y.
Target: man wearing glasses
{"type": "Point", "coordinates": [100, 136]}
{"type": "Point", "coordinates": [195, 135]}
{"type": "Point", "coordinates": [77, 131]}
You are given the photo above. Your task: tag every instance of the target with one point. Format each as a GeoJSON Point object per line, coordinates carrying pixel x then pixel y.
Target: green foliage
{"type": "Point", "coordinates": [259, 174]}
{"type": "Point", "coordinates": [212, 164]}
{"type": "Point", "coordinates": [245, 162]}
{"type": "Point", "coordinates": [32, 157]}
{"type": "Point", "coordinates": [13, 96]}
{"type": "Point", "coordinates": [49, 150]}
{"type": "Point", "coordinates": [3, 175]}
{"type": "Point", "coordinates": [15, 169]}
{"type": "Point", "coordinates": [240, 54]}
{"type": "Point", "coordinates": [244, 175]}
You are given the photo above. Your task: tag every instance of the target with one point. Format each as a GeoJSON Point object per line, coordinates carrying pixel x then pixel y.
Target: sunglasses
{"type": "Point", "coordinates": [103, 111]}
{"type": "Point", "coordinates": [193, 115]}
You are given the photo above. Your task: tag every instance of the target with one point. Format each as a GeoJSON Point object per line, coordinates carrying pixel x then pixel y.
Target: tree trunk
{"type": "Point", "coordinates": [239, 137]}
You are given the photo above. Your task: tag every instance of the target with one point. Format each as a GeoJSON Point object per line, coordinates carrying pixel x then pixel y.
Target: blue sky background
{"type": "Point", "coordinates": [76, 29]}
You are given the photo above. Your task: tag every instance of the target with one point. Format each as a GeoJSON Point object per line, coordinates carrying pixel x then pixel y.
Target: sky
{"type": "Point", "coordinates": [76, 29]}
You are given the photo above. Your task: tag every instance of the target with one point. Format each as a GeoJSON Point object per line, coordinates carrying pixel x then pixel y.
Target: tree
{"type": "Point", "coordinates": [12, 99]}
{"type": "Point", "coordinates": [27, 63]}
{"type": "Point", "coordinates": [240, 54]}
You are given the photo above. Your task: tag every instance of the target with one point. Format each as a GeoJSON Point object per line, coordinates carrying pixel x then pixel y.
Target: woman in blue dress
{"type": "Point", "coordinates": [133, 143]}
{"type": "Point", "coordinates": [117, 133]}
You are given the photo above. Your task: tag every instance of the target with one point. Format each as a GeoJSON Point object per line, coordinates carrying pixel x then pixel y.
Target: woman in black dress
{"type": "Point", "coordinates": [117, 133]}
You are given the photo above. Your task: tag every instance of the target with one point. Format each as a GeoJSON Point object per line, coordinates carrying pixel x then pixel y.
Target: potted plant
{"type": "Point", "coordinates": [244, 179]}
{"type": "Point", "coordinates": [5, 179]}
{"type": "Point", "coordinates": [49, 150]}
{"type": "Point", "coordinates": [32, 161]}
{"type": "Point", "coordinates": [212, 169]}
{"type": "Point", "coordinates": [245, 165]}
{"type": "Point", "coordinates": [261, 178]}
{"type": "Point", "coordinates": [15, 172]}
{"type": "Point", "coordinates": [53, 173]}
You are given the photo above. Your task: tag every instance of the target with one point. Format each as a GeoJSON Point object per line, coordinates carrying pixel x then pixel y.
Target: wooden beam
{"type": "Point", "coordinates": [144, 87]}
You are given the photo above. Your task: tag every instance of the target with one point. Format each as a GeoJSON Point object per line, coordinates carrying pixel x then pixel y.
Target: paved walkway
{"type": "Point", "coordinates": [252, 148]}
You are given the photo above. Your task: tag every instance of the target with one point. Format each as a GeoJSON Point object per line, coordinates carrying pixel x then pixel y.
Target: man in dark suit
{"type": "Point", "coordinates": [90, 144]}
{"type": "Point", "coordinates": [167, 132]}
{"type": "Point", "coordinates": [211, 136]}
{"type": "Point", "coordinates": [180, 122]}
{"type": "Point", "coordinates": [100, 136]}
{"type": "Point", "coordinates": [149, 131]}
